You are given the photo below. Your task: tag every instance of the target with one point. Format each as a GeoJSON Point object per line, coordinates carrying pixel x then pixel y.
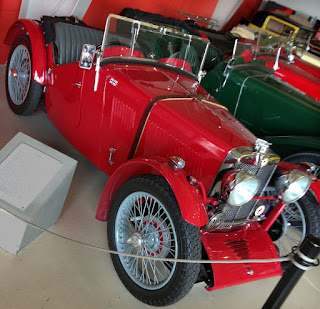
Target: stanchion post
{"type": "Point", "coordinates": [304, 257]}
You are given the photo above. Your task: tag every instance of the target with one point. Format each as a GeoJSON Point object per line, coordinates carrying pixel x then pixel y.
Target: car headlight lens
{"type": "Point", "coordinates": [295, 184]}
{"type": "Point", "coordinates": [239, 187]}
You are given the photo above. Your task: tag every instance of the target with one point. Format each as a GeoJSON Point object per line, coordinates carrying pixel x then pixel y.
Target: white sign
{"type": "Point", "coordinates": [24, 174]}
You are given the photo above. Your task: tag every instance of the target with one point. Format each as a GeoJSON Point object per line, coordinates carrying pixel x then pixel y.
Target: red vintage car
{"type": "Point", "coordinates": [287, 66]}
{"type": "Point", "coordinates": [297, 73]}
{"type": "Point", "coordinates": [187, 180]}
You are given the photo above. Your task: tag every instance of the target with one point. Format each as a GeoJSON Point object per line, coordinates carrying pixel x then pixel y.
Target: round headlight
{"type": "Point", "coordinates": [239, 187]}
{"type": "Point", "coordinates": [295, 185]}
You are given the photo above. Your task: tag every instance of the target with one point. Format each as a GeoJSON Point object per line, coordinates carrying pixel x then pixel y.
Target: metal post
{"type": "Point", "coordinates": [304, 257]}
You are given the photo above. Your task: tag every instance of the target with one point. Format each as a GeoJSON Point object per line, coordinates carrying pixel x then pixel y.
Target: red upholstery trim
{"type": "Point", "coordinates": [177, 63]}
{"type": "Point", "coordinates": [121, 51]}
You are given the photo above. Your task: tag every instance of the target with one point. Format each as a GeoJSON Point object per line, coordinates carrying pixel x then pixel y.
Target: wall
{"type": "Point", "coordinates": [247, 9]}
{"type": "Point", "coordinates": [34, 9]}
{"type": "Point", "coordinates": [224, 11]}
{"type": "Point", "coordinates": [95, 15]}
{"type": "Point", "coordinates": [308, 7]}
{"type": "Point", "coordinates": [9, 12]}
{"type": "Point", "coordinates": [95, 12]}
{"type": "Point", "coordinates": [100, 9]}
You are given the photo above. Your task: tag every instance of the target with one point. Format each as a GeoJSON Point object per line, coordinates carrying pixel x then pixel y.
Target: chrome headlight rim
{"type": "Point", "coordinates": [235, 181]}
{"type": "Point", "coordinates": [293, 185]}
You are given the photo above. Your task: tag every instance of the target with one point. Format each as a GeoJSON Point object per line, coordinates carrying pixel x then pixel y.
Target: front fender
{"type": "Point", "coordinates": [189, 197]}
{"type": "Point", "coordinates": [288, 145]}
{"type": "Point", "coordinates": [39, 59]}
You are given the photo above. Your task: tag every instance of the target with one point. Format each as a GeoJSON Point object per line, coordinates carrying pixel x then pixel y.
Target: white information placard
{"type": "Point", "coordinates": [24, 174]}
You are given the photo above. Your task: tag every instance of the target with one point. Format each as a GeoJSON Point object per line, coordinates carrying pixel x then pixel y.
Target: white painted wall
{"type": "Point", "coordinates": [34, 9]}
{"type": "Point", "coordinates": [224, 11]}
{"type": "Point", "coordinates": [308, 7]}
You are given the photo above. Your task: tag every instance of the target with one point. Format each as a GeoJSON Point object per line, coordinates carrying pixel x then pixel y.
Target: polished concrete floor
{"type": "Point", "coordinates": [56, 273]}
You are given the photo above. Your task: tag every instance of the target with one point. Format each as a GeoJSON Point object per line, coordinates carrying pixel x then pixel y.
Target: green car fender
{"type": "Point", "coordinates": [288, 145]}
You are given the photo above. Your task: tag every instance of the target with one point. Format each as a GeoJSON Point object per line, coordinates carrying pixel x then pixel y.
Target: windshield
{"type": "Point", "coordinates": [125, 37]}
{"type": "Point", "coordinates": [300, 40]}
{"type": "Point", "coordinates": [260, 55]}
{"type": "Point", "coordinates": [266, 45]}
{"type": "Point", "coordinates": [246, 52]}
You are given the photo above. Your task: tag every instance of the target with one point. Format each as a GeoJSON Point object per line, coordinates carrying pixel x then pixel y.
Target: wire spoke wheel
{"type": "Point", "coordinates": [23, 93]}
{"type": "Point", "coordinates": [144, 227]}
{"type": "Point", "coordinates": [19, 74]}
{"type": "Point", "coordinates": [294, 223]}
{"type": "Point", "coordinates": [308, 156]}
{"type": "Point", "coordinates": [145, 220]}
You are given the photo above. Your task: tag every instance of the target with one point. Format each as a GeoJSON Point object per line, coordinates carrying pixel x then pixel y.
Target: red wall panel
{"type": "Point", "coordinates": [247, 9]}
{"type": "Point", "coordinates": [100, 9]}
{"type": "Point", "coordinates": [9, 12]}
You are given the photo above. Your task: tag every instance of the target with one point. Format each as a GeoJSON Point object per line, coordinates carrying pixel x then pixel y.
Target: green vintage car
{"type": "Point", "coordinates": [266, 103]}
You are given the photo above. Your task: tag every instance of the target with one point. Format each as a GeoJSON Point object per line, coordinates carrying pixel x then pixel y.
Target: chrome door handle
{"type": "Point", "coordinates": [111, 152]}
{"type": "Point", "coordinates": [76, 84]}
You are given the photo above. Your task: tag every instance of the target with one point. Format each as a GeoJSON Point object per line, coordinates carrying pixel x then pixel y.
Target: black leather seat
{"type": "Point", "coordinates": [70, 39]}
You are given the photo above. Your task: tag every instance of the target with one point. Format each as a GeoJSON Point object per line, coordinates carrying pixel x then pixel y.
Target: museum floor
{"type": "Point", "coordinates": [57, 273]}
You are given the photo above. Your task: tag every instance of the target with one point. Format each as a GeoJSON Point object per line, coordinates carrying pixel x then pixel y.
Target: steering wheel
{"type": "Point", "coordinates": [217, 59]}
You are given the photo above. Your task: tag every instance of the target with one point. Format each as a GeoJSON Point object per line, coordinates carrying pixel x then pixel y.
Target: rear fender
{"type": "Point", "coordinates": [189, 197]}
{"type": "Point", "coordinates": [315, 185]}
{"type": "Point", "coordinates": [39, 58]}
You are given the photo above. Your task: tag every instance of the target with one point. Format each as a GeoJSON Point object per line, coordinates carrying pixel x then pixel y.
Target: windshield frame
{"type": "Point", "coordinates": [161, 29]}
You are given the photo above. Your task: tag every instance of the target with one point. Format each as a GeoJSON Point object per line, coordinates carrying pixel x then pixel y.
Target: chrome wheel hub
{"type": "Point", "coordinates": [14, 73]}
{"type": "Point", "coordinates": [136, 241]}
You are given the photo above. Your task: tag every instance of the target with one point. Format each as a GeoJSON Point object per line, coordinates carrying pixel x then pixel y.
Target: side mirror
{"type": "Point", "coordinates": [87, 56]}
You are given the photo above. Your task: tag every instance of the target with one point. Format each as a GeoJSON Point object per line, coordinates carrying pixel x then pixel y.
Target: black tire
{"type": "Point", "coordinates": [21, 103]}
{"type": "Point", "coordinates": [187, 237]}
{"type": "Point", "coordinates": [296, 221]}
{"type": "Point", "coordinates": [307, 156]}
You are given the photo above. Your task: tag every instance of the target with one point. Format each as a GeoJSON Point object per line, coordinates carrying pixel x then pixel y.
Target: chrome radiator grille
{"type": "Point", "coordinates": [243, 212]}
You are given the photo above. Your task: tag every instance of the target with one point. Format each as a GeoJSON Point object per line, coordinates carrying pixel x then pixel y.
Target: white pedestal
{"type": "Point", "coordinates": [34, 182]}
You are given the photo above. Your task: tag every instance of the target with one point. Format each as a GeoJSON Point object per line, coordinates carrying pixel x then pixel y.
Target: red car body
{"type": "Point", "coordinates": [138, 118]}
{"type": "Point", "coordinates": [301, 75]}
{"type": "Point", "coordinates": [298, 73]}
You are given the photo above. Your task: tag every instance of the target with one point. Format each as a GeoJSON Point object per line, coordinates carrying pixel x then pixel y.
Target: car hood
{"type": "Point", "coordinates": [155, 81]}
{"type": "Point", "coordinates": [210, 120]}
{"type": "Point", "coordinates": [177, 117]}
{"type": "Point", "coordinates": [189, 102]}
{"type": "Point", "coordinates": [199, 131]}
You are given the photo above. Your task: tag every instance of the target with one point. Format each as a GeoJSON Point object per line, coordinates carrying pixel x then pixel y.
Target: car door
{"type": "Point", "coordinates": [75, 108]}
{"type": "Point", "coordinates": [63, 95]}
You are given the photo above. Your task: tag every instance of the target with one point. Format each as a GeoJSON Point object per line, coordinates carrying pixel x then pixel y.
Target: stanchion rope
{"type": "Point", "coordinates": [147, 257]}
